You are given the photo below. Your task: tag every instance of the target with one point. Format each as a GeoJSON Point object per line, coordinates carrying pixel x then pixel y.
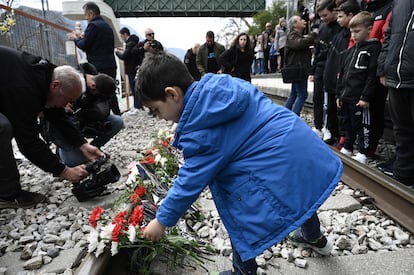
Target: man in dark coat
{"type": "Point", "coordinates": [395, 68]}
{"type": "Point", "coordinates": [98, 42]}
{"type": "Point", "coordinates": [30, 85]}
{"type": "Point", "coordinates": [190, 61]}
{"type": "Point", "coordinates": [327, 30]}
{"type": "Point", "coordinates": [130, 61]}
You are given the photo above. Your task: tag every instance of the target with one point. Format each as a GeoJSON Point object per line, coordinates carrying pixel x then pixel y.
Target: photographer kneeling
{"type": "Point", "coordinates": [91, 115]}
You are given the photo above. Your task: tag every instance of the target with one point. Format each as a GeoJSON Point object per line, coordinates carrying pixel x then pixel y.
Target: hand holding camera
{"type": "Point", "coordinates": [97, 181]}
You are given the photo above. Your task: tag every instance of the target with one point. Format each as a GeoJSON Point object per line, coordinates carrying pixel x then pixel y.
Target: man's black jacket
{"type": "Point", "coordinates": [24, 86]}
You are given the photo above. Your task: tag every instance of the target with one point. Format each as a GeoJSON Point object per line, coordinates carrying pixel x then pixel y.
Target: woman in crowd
{"type": "Point", "coordinates": [237, 60]}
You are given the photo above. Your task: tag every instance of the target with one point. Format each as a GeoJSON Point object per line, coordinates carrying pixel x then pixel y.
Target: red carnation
{"type": "Point", "coordinates": [137, 216]}
{"type": "Point", "coordinates": [95, 216]}
{"type": "Point", "coordinates": [140, 191]}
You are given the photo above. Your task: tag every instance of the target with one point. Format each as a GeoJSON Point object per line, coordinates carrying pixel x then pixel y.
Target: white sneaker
{"type": "Point", "coordinates": [362, 158]}
{"type": "Point", "coordinates": [326, 134]}
{"type": "Point", "coordinates": [133, 111]}
{"type": "Point", "coordinates": [318, 132]}
{"type": "Point", "coordinates": [346, 152]}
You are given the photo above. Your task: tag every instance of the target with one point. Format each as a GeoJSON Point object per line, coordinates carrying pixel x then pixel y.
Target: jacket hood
{"type": "Point", "coordinates": [198, 110]}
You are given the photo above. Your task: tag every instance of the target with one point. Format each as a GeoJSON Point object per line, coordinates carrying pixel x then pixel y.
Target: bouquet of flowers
{"type": "Point", "coordinates": [7, 22]}
{"type": "Point", "coordinates": [148, 182]}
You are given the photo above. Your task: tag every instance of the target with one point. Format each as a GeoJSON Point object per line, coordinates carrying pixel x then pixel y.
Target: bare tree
{"type": "Point", "coordinates": [232, 29]}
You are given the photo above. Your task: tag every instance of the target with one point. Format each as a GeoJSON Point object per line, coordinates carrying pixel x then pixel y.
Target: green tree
{"type": "Point", "coordinates": [272, 15]}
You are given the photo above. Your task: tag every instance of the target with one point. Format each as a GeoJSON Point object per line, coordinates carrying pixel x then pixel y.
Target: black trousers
{"type": "Point", "coordinates": [332, 116]}
{"type": "Point", "coordinates": [377, 110]}
{"type": "Point", "coordinates": [318, 94]}
{"type": "Point", "coordinates": [402, 115]}
{"type": "Point", "coordinates": [9, 174]}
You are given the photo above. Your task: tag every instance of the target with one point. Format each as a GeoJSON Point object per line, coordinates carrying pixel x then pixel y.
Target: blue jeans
{"type": "Point", "coordinates": [310, 231]}
{"type": "Point", "coordinates": [72, 156]}
{"type": "Point", "coordinates": [260, 69]}
{"type": "Point", "coordinates": [297, 96]}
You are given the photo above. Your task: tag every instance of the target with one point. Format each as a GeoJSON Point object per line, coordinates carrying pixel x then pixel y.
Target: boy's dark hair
{"type": "Point", "coordinates": [125, 31]}
{"type": "Point", "coordinates": [210, 34]}
{"type": "Point", "coordinates": [348, 7]}
{"type": "Point", "coordinates": [91, 6]}
{"type": "Point", "coordinates": [363, 18]}
{"type": "Point", "coordinates": [158, 71]}
{"type": "Point", "coordinates": [330, 5]}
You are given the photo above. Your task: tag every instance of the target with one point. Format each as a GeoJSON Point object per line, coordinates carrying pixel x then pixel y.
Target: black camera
{"type": "Point", "coordinates": [97, 181]}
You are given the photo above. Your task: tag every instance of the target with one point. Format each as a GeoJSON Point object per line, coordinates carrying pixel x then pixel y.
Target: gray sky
{"type": "Point", "coordinates": [171, 32]}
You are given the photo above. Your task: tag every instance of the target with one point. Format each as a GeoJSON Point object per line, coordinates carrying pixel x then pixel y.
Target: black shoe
{"type": "Point", "coordinates": [321, 245]}
{"type": "Point", "coordinates": [406, 181]}
{"type": "Point", "coordinates": [24, 199]}
{"type": "Point", "coordinates": [387, 168]}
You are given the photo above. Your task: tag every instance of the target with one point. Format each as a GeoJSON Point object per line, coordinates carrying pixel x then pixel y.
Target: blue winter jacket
{"type": "Point", "coordinates": [267, 171]}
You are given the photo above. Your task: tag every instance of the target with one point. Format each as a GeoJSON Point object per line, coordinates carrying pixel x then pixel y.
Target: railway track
{"type": "Point", "coordinates": [393, 198]}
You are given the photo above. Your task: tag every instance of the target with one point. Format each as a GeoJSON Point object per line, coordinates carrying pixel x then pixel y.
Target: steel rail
{"type": "Point", "coordinates": [392, 197]}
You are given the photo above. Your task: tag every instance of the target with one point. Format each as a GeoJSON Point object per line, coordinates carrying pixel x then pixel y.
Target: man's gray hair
{"type": "Point", "coordinates": [292, 21]}
{"type": "Point", "coordinates": [69, 78]}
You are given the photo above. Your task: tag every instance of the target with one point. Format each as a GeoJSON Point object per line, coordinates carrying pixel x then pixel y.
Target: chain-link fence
{"type": "Point", "coordinates": [36, 35]}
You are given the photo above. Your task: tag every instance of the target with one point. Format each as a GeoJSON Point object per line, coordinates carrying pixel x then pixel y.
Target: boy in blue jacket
{"type": "Point", "coordinates": [265, 180]}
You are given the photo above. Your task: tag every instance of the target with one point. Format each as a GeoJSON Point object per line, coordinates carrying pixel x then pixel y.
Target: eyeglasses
{"type": "Point", "coordinates": [149, 33]}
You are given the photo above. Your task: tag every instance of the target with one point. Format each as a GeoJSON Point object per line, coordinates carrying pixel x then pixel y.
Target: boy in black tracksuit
{"type": "Point", "coordinates": [340, 43]}
{"type": "Point", "coordinates": [356, 85]}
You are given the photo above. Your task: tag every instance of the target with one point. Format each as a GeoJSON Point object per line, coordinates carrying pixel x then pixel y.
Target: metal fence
{"type": "Point", "coordinates": [37, 36]}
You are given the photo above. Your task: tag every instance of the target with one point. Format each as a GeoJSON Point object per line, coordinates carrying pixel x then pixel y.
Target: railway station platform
{"type": "Point", "coordinates": [272, 84]}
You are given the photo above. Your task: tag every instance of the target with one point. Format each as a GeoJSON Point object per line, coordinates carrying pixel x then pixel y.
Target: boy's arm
{"type": "Point", "coordinates": [339, 76]}
{"type": "Point", "coordinates": [372, 80]}
{"type": "Point", "coordinates": [384, 52]}
{"type": "Point", "coordinates": [203, 161]}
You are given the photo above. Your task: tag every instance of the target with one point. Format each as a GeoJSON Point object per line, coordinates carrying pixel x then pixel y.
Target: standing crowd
{"type": "Point", "coordinates": [360, 58]}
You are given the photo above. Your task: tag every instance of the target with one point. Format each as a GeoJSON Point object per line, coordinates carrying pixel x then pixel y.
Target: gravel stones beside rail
{"type": "Point", "coordinates": [52, 230]}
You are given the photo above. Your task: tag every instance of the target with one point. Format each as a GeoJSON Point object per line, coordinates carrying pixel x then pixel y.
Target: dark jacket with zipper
{"type": "Point", "coordinates": [325, 35]}
{"type": "Point", "coordinates": [396, 60]}
{"type": "Point", "coordinates": [357, 77]}
{"type": "Point", "coordinates": [297, 49]}
{"type": "Point", "coordinates": [130, 58]}
{"type": "Point", "coordinates": [339, 45]}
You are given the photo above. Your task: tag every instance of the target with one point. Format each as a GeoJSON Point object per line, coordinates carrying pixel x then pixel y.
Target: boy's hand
{"type": "Point", "coordinates": [154, 231]}
{"type": "Point", "coordinates": [383, 80]}
{"type": "Point", "coordinates": [338, 103]}
{"type": "Point", "coordinates": [362, 104]}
